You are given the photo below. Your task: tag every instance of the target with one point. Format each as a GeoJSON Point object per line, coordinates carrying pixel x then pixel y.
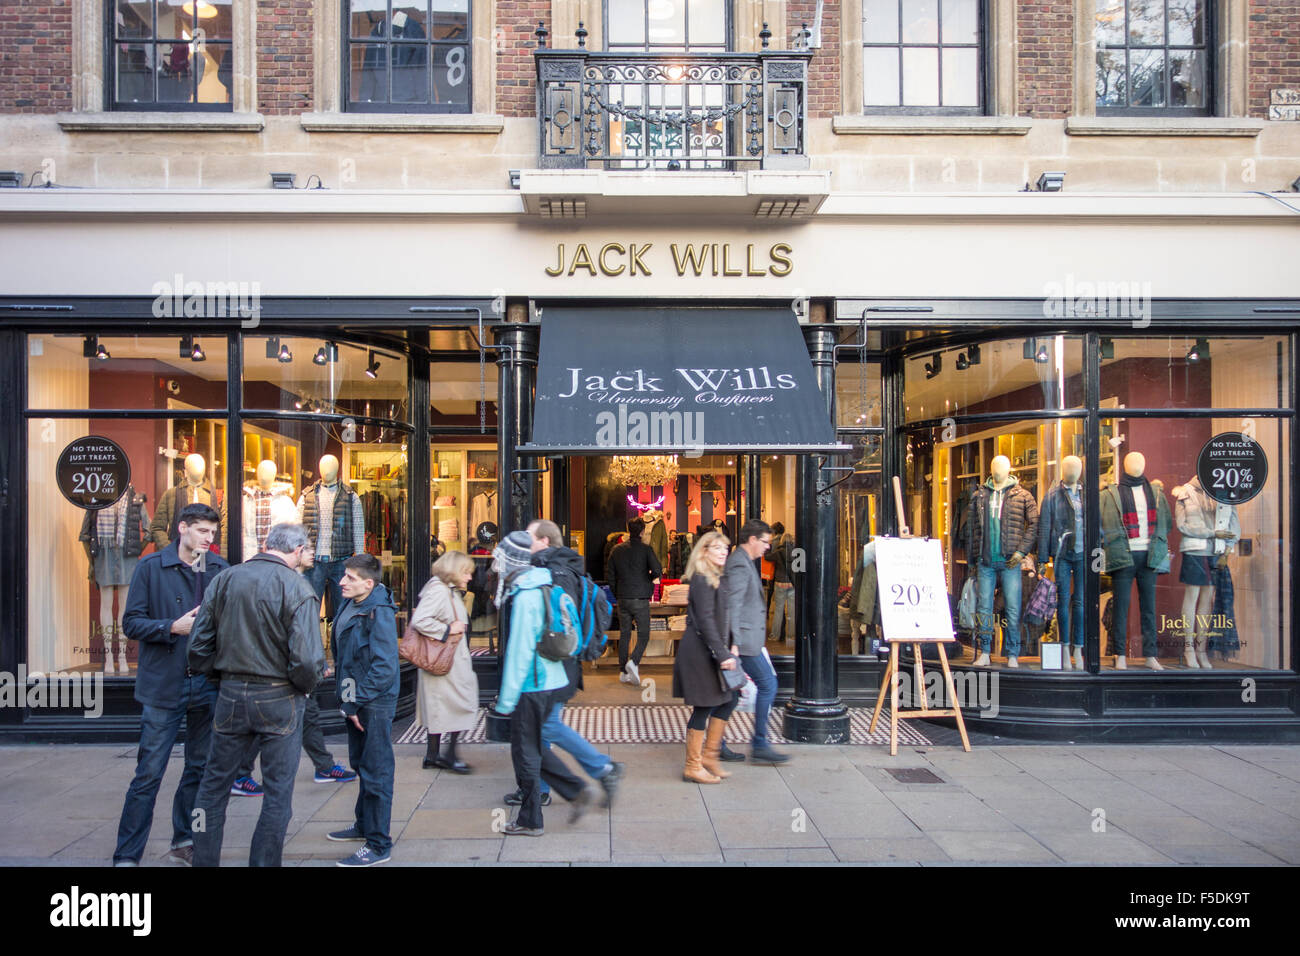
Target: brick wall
{"type": "Point", "coordinates": [35, 56]}
{"type": "Point", "coordinates": [1045, 63]}
{"type": "Point", "coordinates": [284, 56]}
{"type": "Point", "coordinates": [516, 74]}
{"type": "Point", "coordinates": [1274, 51]}
{"type": "Point", "coordinates": [824, 71]}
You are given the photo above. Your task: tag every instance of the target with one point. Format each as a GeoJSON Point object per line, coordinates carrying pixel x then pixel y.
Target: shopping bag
{"type": "Point", "coordinates": [966, 606]}
{"type": "Point", "coordinates": [748, 696]}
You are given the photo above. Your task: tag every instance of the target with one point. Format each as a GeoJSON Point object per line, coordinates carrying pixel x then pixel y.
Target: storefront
{"type": "Point", "coordinates": [424, 383]}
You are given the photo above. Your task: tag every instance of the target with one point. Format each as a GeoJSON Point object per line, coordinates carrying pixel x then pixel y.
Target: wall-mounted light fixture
{"type": "Point", "coordinates": [1050, 182]}
{"type": "Point", "coordinates": [372, 369]}
{"type": "Point", "coordinates": [11, 179]}
{"type": "Point", "coordinates": [933, 367]}
{"type": "Point", "coordinates": [282, 180]}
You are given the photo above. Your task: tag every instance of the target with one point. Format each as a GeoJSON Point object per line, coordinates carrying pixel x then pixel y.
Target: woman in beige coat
{"type": "Point", "coordinates": [447, 704]}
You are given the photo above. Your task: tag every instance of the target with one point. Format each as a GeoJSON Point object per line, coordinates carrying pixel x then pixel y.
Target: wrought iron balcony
{"type": "Point", "coordinates": [620, 110]}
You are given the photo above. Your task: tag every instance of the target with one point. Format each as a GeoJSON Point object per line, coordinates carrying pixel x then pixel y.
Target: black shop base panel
{"type": "Point", "coordinates": [1132, 707]}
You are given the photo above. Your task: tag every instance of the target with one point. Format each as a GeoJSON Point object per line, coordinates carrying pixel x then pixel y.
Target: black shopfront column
{"type": "Point", "coordinates": [815, 714]}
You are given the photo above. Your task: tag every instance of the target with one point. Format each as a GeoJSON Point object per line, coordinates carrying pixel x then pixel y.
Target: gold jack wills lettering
{"type": "Point", "coordinates": [688, 258]}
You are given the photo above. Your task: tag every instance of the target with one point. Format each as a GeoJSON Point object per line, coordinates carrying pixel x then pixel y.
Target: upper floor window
{"type": "Point", "coordinates": [923, 56]}
{"type": "Point", "coordinates": [408, 57]}
{"type": "Point", "coordinates": [170, 54]}
{"type": "Point", "coordinates": [666, 26]}
{"type": "Point", "coordinates": [1153, 55]}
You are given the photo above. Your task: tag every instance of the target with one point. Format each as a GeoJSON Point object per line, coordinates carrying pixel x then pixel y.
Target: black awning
{"type": "Point", "coordinates": [665, 381]}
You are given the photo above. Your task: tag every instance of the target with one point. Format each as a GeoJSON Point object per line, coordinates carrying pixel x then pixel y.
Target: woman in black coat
{"type": "Point", "coordinates": [702, 651]}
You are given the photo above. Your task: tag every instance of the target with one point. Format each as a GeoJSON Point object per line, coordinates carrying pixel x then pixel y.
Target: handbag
{"type": "Point", "coordinates": [735, 678]}
{"type": "Point", "coordinates": [426, 653]}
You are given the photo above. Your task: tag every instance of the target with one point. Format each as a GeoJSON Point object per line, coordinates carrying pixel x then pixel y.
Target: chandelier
{"type": "Point", "coordinates": [643, 469]}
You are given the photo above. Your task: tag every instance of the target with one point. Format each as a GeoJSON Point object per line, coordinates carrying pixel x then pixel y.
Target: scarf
{"type": "Point", "coordinates": [110, 523]}
{"type": "Point", "coordinates": [1129, 507]}
{"type": "Point", "coordinates": [262, 514]}
{"type": "Point", "coordinates": [1223, 638]}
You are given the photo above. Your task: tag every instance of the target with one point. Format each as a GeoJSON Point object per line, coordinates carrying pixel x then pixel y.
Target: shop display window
{"type": "Point", "coordinates": [857, 513]}
{"type": "Point", "coordinates": [126, 371]}
{"type": "Point", "coordinates": [463, 516]}
{"type": "Point", "coordinates": [304, 373]}
{"type": "Point", "coordinates": [857, 395]}
{"type": "Point", "coordinates": [1197, 371]}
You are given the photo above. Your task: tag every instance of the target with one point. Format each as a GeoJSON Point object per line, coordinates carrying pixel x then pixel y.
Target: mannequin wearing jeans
{"type": "Point", "coordinates": [1060, 540]}
{"type": "Point", "coordinates": [1135, 528]}
{"type": "Point", "coordinates": [1001, 535]}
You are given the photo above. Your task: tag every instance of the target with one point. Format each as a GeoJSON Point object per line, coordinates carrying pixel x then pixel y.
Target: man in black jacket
{"type": "Point", "coordinates": [634, 571]}
{"type": "Point", "coordinates": [161, 604]}
{"type": "Point", "coordinates": [258, 628]}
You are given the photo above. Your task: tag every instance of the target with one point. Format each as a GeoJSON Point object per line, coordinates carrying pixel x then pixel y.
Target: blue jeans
{"type": "Point", "coordinates": [556, 732]}
{"type": "Point", "coordinates": [764, 678]}
{"type": "Point", "coordinates": [1069, 601]}
{"type": "Point", "coordinates": [370, 752]}
{"type": "Point", "coordinates": [251, 717]}
{"type": "Point", "coordinates": [1009, 580]}
{"type": "Point", "coordinates": [159, 727]}
{"type": "Point", "coordinates": [324, 577]}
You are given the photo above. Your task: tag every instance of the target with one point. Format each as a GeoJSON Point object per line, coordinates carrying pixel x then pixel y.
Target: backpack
{"type": "Point", "coordinates": [559, 639]}
{"type": "Point", "coordinates": [594, 612]}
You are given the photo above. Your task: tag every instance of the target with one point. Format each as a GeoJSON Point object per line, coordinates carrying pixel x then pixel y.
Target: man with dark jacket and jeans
{"type": "Point", "coordinates": [634, 571]}
{"type": "Point", "coordinates": [258, 631]}
{"type": "Point", "coordinates": [365, 646]}
{"type": "Point", "coordinates": [748, 626]}
{"type": "Point", "coordinates": [161, 605]}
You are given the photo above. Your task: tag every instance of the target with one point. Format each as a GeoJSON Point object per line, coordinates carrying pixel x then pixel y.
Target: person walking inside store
{"type": "Point", "coordinates": [749, 628]}
{"type": "Point", "coordinates": [633, 573]}
{"type": "Point", "coordinates": [258, 631]}
{"type": "Point", "coordinates": [530, 685]}
{"type": "Point", "coordinates": [447, 704]}
{"type": "Point", "coordinates": [702, 655]}
{"type": "Point", "coordinates": [161, 604]}
{"type": "Point", "coordinates": [365, 647]}
{"type": "Point", "coordinates": [568, 570]}
{"type": "Point", "coordinates": [780, 615]}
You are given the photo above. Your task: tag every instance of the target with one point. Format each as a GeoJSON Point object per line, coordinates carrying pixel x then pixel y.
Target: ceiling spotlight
{"type": "Point", "coordinates": [1199, 351]}
{"type": "Point", "coordinates": [1042, 357]}
{"type": "Point", "coordinates": [299, 402]}
{"type": "Point", "coordinates": [91, 347]}
{"type": "Point", "coordinates": [277, 350]}
{"type": "Point", "coordinates": [962, 362]}
{"type": "Point", "coordinates": [285, 355]}
{"type": "Point", "coordinates": [933, 366]}
{"type": "Point", "coordinates": [973, 355]}
{"type": "Point", "coordinates": [1051, 182]}
{"type": "Point", "coordinates": [1037, 351]}
{"type": "Point", "coordinates": [196, 353]}
{"type": "Point", "coordinates": [319, 358]}
{"type": "Point", "coordinates": [372, 370]}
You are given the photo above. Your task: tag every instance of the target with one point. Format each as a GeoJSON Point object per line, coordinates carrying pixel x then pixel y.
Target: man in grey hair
{"type": "Point", "coordinates": [258, 633]}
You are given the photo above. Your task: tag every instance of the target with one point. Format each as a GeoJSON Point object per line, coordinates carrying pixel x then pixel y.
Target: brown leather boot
{"type": "Point", "coordinates": [694, 772]}
{"type": "Point", "coordinates": [712, 755]}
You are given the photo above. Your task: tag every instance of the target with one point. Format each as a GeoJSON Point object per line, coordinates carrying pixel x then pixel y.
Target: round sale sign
{"type": "Point", "coordinates": [93, 472]}
{"type": "Point", "coordinates": [1232, 468]}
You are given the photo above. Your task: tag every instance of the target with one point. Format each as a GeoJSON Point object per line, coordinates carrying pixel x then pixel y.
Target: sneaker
{"type": "Point", "coordinates": [181, 855]}
{"type": "Point", "coordinates": [611, 780]}
{"type": "Point", "coordinates": [516, 798]}
{"type": "Point", "coordinates": [335, 774]}
{"type": "Point", "coordinates": [765, 754]}
{"type": "Point", "coordinates": [366, 856]}
{"type": "Point", "coordinates": [246, 787]}
{"type": "Point", "coordinates": [346, 836]}
{"type": "Point", "coordinates": [626, 678]}
{"type": "Point", "coordinates": [579, 805]}
{"type": "Point", "coordinates": [125, 863]}
{"type": "Point", "coordinates": [634, 672]}
{"type": "Point", "coordinates": [514, 829]}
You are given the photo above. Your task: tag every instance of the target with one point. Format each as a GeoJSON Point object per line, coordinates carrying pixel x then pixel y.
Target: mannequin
{"type": "Point", "coordinates": [336, 530]}
{"type": "Point", "coordinates": [267, 502]}
{"type": "Point", "coordinates": [1135, 523]}
{"type": "Point", "coordinates": [1000, 537]}
{"type": "Point", "coordinates": [1060, 540]}
{"type": "Point", "coordinates": [195, 488]}
{"type": "Point", "coordinates": [1210, 532]}
{"type": "Point", "coordinates": [114, 539]}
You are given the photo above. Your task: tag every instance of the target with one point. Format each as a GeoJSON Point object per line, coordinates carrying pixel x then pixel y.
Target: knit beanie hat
{"type": "Point", "coordinates": [513, 554]}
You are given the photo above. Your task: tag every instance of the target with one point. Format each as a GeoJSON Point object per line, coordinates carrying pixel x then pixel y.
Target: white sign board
{"type": "Point", "coordinates": [913, 596]}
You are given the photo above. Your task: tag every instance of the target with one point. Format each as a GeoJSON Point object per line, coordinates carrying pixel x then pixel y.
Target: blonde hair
{"type": "Point", "coordinates": [698, 561]}
{"type": "Point", "coordinates": [451, 566]}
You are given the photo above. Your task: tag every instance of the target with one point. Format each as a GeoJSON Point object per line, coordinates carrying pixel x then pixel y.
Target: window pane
{"type": "Point", "coordinates": [1186, 22]}
{"type": "Point", "coordinates": [920, 21]}
{"type": "Point", "coordinates": [369, 80]}
{"type": "Point", "coordinates": [455, 393]}
{"type": "Point", "coordinates": [1196, 372]}
{"type": "Point", "coordinates": [880, 76]}
{"type": "Point", "coordinates": [1110, 23]}
{"type": "Point", "coordinates": [960, 21]}
{"type": "Point", "coordinates": [1147, 77]}
{"type": "Point", "coordinates": [667, 21]}
{"type": "Point", "coordinates": [708, 22]}
{"type": "Point", "coordinates": [626, 21]}
{"type": "Point", "coordinates": [215, 19]}
{"type": "Point", "coordinates": [135, 73]}
{"type": "Point", "coordinates": [451, 74]}
{"type": "Point", "coordinates": [369, 18]}
{"type": "Point", "coordinates": [996, 377]}
{"type": "Point", "coordinates": [313, 374]}
{"type": "Point", "coordinates": [961, 77]}
{"type": "Point", "coordinates": [1111, 80]}
{"type": "Point", "coordinates": [450, 19]}
{"type": "Point", "coordinates": [137, 372]}
{"type": "Point", "coordinates": [880, 21]}
{"type": "Point", "coordinates": [409, 21]}
{"type": "Point", "coordinates": [410, 72]}
{"type": "Point", "coordinates": [134, 19]}
{"type": "Point", "coordinates": [1187, 78]}
{"type": "Point", "coordinates": [857, 394]}
{"type": "Point", "coordinates": [920, 77]}
{"type": "Point", "coordinates": [215, 85]}
{"type": "Point", "coordinates": [1222, 597]}
{"type": "Point", "coordinates": [176, 72]}
{"type": "Point", "coordinates": [1146, 22]}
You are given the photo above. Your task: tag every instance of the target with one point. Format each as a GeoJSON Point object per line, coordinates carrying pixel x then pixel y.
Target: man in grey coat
{"type": "Point", "coordinates": [747, 622]}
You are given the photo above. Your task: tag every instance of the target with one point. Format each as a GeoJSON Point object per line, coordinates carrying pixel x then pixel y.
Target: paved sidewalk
{"type": "Point", "coordinates": [1224, 805]}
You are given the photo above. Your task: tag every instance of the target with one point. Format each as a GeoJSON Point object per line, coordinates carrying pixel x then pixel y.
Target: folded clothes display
{"type": "Point", "coordinates": [449, 530]}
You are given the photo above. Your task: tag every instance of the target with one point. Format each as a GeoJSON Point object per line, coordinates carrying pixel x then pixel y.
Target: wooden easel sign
{"type": "Point", "coordinates": [914, 610]}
